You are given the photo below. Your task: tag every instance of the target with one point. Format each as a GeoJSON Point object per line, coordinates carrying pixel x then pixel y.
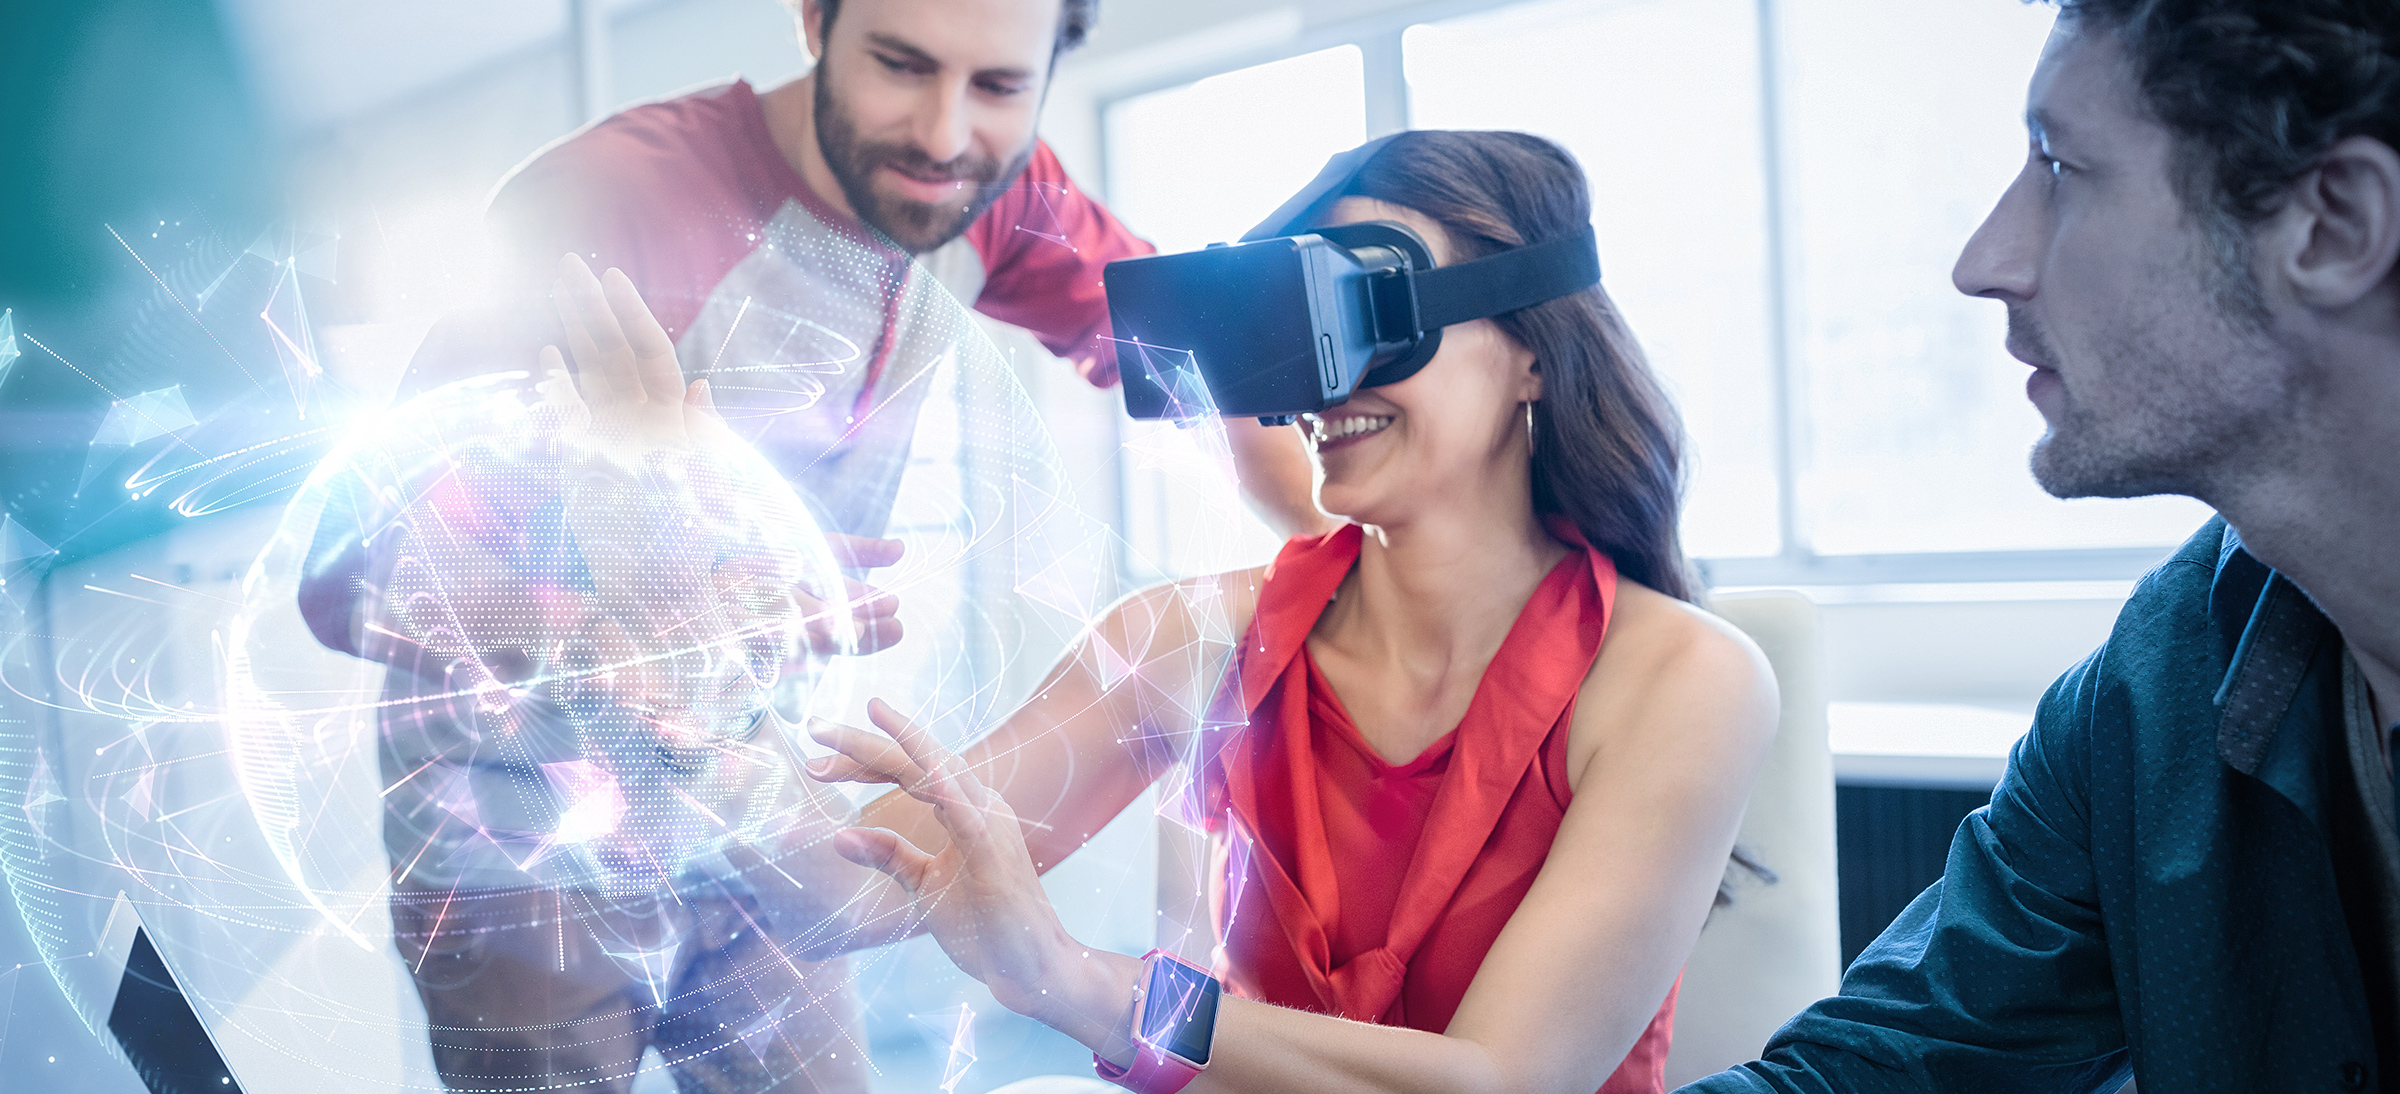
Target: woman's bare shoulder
{"type": "Point", "coordinates": [1211, 608]}
{"type": "Point", "coordinates": [1652, 630]}
{"type": "Point", "coordinates": [1666, 665]}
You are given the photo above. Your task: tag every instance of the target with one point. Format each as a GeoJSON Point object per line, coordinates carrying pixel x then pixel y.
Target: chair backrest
{"type": "Point", "coordinates": [1777, 948]}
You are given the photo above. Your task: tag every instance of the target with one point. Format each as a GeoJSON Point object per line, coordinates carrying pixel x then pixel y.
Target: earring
{"type": "Point", "coordinates": [1528, 404]}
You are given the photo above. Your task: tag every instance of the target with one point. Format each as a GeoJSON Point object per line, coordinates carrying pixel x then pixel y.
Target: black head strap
{"type": "Point", "coordinates": [1519, 277]}
{"type": "Point", "coordinates": [1414, 304]}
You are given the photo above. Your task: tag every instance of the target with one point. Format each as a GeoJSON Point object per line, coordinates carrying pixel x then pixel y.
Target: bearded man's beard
{"type": "Point", "coordinates": [914, 226]}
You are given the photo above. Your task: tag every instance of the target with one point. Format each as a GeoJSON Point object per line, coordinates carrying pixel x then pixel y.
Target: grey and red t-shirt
{"type": "Point", "coordinates": [814, 332]}
{"type": "Point", "coordinates": [821, 343]}
{"type": "Point", "coordinates": [679, 193]}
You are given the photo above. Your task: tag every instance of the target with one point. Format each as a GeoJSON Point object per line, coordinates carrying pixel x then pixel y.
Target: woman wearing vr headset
{"type": "Point", "coordinates": [1494, 758]}
{"type": "Point", "coordinates": [1474, 766]}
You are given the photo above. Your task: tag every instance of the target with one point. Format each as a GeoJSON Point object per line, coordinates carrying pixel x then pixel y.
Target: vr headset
{"type": "Point", "coordinates": [1283, 324]}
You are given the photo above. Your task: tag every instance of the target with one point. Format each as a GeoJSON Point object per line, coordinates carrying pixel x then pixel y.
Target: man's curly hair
{"type": "Point", "coordinates": [2257, 91]}
{"type": "Point", "coordinates": [1075, 19]}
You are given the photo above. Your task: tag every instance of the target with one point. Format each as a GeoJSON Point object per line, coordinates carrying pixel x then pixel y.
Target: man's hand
{"type": "Point", "coordinates": [874, 614]}
{"type": "Point", "coordinates": [628, 388]}
{"type": "Point", "coordinates": [627, 400]}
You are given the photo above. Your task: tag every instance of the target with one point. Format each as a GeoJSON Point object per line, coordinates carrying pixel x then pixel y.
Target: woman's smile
{"type": "Point", "coordinates": [1331, 431]}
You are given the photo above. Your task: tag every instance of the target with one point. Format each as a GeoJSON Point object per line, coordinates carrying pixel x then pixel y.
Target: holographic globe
{"type": "Point", "coordinates": [563, 656]}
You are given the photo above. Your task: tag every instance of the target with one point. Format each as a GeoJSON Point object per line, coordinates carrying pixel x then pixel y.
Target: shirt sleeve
{"type": "Point", "coordinates": [1997, 978]}
{"type": "Point", "coordinates": [1043, 246]}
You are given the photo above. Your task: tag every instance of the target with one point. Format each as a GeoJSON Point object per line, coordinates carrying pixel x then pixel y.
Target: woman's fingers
{"type": "Point", "coordinates": [660, 375]}
{"type": "Point", "coordinates": [954, 792]}
{"type": "Point", "coordinates": [918, 744]}
{"type": "Point", "coordinates": [863, 622]}
{"type": "Point", "coordinates": [842, 769]}
{"type": "Point", "coordinates": [910, 759]}
{"type": "Point", "coordinates": [873, 755]}
{"type": "Point", "coordinates": [884, 850]}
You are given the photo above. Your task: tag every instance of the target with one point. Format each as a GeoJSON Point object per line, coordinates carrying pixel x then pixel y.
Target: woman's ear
{"type": "Point", "coordinates": [1528, 369]}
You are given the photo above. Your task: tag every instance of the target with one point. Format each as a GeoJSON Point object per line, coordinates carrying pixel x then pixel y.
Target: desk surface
{"type": "Point", "coordinates": [1921, 744]}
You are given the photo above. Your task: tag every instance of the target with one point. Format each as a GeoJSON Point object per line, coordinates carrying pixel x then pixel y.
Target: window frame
{"type": "Point", "coordinates": [1378, 38]}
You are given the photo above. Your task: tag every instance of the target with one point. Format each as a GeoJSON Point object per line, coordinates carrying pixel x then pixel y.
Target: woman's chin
{"type": "Point", "coordinates": [1347, 504]}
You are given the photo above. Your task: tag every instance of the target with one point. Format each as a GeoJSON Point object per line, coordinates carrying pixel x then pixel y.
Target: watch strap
{"type": "Point", "coordinates": [1153, 1070]}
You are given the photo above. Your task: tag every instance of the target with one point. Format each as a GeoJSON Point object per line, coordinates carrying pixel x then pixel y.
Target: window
{"type": "Point", "coordinates": [1904, 123]}
{"type": "Point", "coordinates": [1678, 200]}
{"type": "Point", "coordinates": [1192, 165]}
{"type": "Point", "coordinates": [1189, 166]}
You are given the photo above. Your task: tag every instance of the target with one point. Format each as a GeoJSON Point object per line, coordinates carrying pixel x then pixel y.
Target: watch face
{"type": "Point", "coordinates": [1179, 1010]}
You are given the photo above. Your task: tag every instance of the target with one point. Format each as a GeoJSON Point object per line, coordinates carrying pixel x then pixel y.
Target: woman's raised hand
{"type": "Point", "coordinates": [979, 896]}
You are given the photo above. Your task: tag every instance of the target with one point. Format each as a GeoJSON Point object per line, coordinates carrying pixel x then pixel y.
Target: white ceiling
{"type": "Point", "coordinates": [318, 61]}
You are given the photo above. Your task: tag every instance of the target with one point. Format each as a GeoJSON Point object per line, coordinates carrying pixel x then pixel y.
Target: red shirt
{"type": "Point", "coordinates": [1373, 890]}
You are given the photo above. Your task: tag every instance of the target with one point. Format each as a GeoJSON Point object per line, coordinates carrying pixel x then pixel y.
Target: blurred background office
{"type": "Point", "coordinates": [1780, 189]}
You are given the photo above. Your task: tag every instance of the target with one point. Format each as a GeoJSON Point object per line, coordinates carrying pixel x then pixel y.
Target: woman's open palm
{"type": "Point", "coordinates": [980, 897]}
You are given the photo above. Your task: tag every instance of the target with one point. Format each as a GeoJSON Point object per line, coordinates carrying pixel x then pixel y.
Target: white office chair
{"type": "Point", "coordinates": [1778, 947]}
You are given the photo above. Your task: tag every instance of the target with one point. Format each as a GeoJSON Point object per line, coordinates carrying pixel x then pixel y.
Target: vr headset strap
{"type": "Point", "coordinates": [1516, 278]}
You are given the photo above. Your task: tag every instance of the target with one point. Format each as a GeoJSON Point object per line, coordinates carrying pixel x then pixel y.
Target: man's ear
{"type": "Point", "coordinates": [812, 28]}
{"type": "Point", "coordinates": [2344, 221]}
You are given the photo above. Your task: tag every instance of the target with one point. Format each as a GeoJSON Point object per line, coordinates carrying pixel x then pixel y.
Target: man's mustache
{"type": "Point", "coordinates": [982, 171]}
{"type": "Point", "coordinates": [2027, 342]}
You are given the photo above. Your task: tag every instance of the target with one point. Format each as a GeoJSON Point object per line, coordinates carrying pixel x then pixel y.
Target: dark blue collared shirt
{"type": "Point", "coordinates": [2167, 881]}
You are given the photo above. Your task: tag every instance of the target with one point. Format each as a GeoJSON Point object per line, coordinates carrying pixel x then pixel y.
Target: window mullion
{"type": "Point", "coordinates": [1791, 531]}
{"type": "Point", "coordinates": [1387, 83]}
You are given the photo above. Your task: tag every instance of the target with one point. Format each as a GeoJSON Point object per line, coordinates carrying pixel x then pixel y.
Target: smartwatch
{"type": "Point", "coordinates": [1174, 1024]}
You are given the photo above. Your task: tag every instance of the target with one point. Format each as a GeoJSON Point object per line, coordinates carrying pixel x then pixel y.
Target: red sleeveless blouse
{"type": "Point", "coordinates": [1353, 886]}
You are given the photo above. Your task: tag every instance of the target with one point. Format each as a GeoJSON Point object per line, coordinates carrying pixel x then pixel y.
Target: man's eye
{"type": "Point", "coordinates": [893, 63]}
{"type": "Point", "coordinates": [2050, 164]}
{"type": "Point", "coordinates": [1000, 87]}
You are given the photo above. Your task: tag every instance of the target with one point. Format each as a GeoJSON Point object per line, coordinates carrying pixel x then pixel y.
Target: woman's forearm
{"type": "Point", "coordinates": [1266, 1049]}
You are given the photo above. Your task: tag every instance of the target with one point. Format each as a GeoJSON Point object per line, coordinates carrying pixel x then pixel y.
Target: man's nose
{"type": "Point", "coordinates": [944, 131]}
{"type": "Point", "coordinates": [2000, 258]}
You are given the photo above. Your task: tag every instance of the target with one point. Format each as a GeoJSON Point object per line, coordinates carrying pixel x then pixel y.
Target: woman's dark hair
{"type": "Point", "coordinates": [1608, 448]}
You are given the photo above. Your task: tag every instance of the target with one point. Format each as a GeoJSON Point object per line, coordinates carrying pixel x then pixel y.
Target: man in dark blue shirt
{"type": "Point", "coordinates": [2191, 871]}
